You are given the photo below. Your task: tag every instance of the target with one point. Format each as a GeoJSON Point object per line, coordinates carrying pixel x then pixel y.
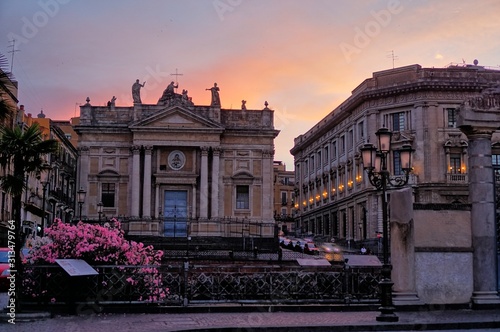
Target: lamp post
{"type": "Point", "coordinates": [375, 164]}
{"type": "Point", "coordinates": [81, 199]}
{"type": "Point", "coordinates": [99, 210]}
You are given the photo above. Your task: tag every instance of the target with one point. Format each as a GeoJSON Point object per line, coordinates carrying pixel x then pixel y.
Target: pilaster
{"type": "Point", "coordinates": [146, 192]}
{"type": "Point", "coordinates": [204, 183]}
{"type": "Point", "coordinates": [215, 183]}
{"type": "Point", "coordinates": [135, 181]}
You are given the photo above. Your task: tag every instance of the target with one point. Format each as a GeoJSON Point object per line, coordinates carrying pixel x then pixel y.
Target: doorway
{"type": "Point", "coordinates": [175, 213]}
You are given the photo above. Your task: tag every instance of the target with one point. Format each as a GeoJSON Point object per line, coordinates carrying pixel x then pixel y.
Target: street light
{"type": "Point", "coordinates": [375, 164]}
{"type": "Point", "coordinates": [99, 210]}
{"type": "Point", "coordinates": [81, 199]}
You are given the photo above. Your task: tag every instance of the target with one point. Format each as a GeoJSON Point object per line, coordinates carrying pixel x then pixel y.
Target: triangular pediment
{"type": "Point", "coordinates": [175, 118]}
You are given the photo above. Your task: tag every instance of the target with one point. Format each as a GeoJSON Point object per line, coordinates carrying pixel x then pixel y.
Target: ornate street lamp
{"type": "Point", "coordinates": [99, 210]}
{"type": "Point", "coordinates": [375, 164]}
{"type": "Point", "coordinates": [81, 199]}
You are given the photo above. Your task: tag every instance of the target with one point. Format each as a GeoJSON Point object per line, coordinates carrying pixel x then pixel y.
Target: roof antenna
{"type": "Point", "coordinates": [13, 45]}
{"type": "Point", "coordinates": [394, 57]}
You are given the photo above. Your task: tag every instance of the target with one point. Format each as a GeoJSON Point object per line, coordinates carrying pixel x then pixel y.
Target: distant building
{"type": "Point", "coordinates": [284, 197]}
{"type": "Point", "coordinates": [179, 171]}
{"type": "Point", "coordinates": [53, 194]}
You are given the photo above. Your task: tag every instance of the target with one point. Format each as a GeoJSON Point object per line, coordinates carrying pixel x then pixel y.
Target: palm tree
{"type": "Point", "coordinates": [21, 155]}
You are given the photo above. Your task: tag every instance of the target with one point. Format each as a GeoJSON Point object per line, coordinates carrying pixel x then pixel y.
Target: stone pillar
{"type": "Point", "coordinates": [215, 183]}
{"type": "Point", "coordinates": [403, 247]}
{"type": "Point", "coordinates": [135, 181]}
{"type": "Point", "coordinates": [84, 175]}
{"type": "Point", "coordinates": [193, 209]}
{"type": "Point", "coordinates": [157, 201]}
{"type": "Point", "coordinates": [146, 187]}
{"type": "Point", "coordinates": [204, 183]}
{"type": "Point", "coordinates": [478, 119]}
{"type": "Point", "coordinates": [267, 185]}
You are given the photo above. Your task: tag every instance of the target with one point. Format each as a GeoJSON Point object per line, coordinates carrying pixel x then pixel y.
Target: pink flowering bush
{"type": "Point", "coordinates": [100, 245]}
{"type": "Point", "coordinates": [97, 245]}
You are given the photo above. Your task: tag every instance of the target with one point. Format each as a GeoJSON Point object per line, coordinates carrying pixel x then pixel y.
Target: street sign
{"type": "Point", "coordinates": [76, 267]}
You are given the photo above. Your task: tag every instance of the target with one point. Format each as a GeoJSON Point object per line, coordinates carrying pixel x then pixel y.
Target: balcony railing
{"type": "Point", "coordinates": [457, 178]}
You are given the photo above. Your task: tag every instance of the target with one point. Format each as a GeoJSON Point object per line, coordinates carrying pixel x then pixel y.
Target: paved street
{"type": "Point", "coordinates": [258, 318]}
{"type": "Point", "coordinates": [264, 321]}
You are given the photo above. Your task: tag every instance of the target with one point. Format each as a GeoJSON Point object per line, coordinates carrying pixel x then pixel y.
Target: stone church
{"type": "Point", "coordinates": [178, 171]}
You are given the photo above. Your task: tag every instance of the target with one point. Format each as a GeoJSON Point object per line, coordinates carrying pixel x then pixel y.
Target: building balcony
{"type": "Point", "coordinates": [457, 178]}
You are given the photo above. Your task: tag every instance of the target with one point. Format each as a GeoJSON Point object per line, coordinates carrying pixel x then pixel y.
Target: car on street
{"type": "Point", "coordinates": [286, 243]}
{"type": "Point", "coordinates": [298, 244]}
{"type": "Point", "coordinates": [332, 252]}
{"type": "Point", "coordinates": [4, 268]}
{"type": "Point", "coordinates": [310, 248]}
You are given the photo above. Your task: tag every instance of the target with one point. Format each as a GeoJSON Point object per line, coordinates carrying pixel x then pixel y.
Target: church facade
{"type": "Point", "coordinates": [178, 170]}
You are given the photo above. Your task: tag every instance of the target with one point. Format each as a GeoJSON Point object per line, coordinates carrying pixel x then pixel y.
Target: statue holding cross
{"type": "Point", "coordinates": [169, 97]}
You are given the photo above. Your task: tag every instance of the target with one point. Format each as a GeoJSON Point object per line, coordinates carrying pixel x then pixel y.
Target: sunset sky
{"type": "Point", "coordinates": [303, 57]}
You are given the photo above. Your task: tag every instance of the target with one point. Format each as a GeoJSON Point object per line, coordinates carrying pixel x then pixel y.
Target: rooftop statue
{"type": "Point", "coordinates": [215, 95]}
{"type": "Point", "coordinates": [169, 97]}
{"type": "Point", "coordinates": [136, 91]}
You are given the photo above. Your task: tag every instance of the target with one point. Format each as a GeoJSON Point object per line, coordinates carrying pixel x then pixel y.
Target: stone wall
{"type": "Point", "coordinates": [443, 256]}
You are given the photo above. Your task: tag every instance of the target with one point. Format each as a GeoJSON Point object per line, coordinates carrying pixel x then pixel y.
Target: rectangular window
{"type": "Point", "coordinates": [334, 150]}
{"type": "Point", "coordinates": [283, 198]}
{"type": "Point", "coordinates": [397, 163]}
{"type": "Point", "coordinates": [455, 163]}
{"type": "Point", "coordinates": [350, 140]}
{"type": "Point", "coordinates": [452, 117]}
{"type": "Point", "coordinates": [108, 194]}
{"type": "Point", "coordinates": [342, 145]}
{"type": "Point", "coordinates": [325, 155]}
{"type": "Point", "coordinates": [361, 131]}
{"type": "Point", "coordinates": [398, 121]}
{"type": "Point", "coordinates": [242, 197]}
{"type": "Point", "coordinates": [496, 165]}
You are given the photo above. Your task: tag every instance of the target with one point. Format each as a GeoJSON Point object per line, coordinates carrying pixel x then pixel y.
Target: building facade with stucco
{"type": "Point", "coordinates": [178, 170]}
{"type": "Point", "coordinates": [334, 197]}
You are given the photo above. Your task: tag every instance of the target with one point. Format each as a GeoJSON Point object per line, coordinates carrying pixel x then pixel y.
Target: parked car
{"type": "Point", "coordinates": [311, 249]}
{"type": "Point", "coordinates": [4, 269]}
{"type": "Point", "coordinates": [286, 243]}
{"type": "Point", "coordinates": [298, 244]}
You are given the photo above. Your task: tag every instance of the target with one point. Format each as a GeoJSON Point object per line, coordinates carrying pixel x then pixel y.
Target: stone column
{"type": "Point", "coordinates": [267, 185]}
{"type": "Point", "coordinates": [146, 187]}
{"type": "Point", "coordinates": [403, 247]}
{"type": "Point", "coordinates": [157, 201]}
{"type": "Point", "coordinates": [135, 182]}
{"type": "Point", "coordinates": [84, 175]}
{"type": "Point", "coordinates": [204, 183]}
{"type": "Point", "coordinates": [215, 183]}
{"type": "Point", "coordinates": [193, 209]}
{"type": "Point", "coordinates": [478, 119]}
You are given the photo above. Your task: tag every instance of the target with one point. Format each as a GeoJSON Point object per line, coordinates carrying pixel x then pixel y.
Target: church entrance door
{"type": "Point", "coordinates": [175, 215]}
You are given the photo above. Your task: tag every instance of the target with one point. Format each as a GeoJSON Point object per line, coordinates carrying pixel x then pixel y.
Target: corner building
{"type": "Point", "coordinates": [176, 170]}
{"type": "Point", "coordinates": [420, 106]}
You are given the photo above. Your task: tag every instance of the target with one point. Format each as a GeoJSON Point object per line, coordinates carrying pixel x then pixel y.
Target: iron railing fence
{"type": "Point", "coordinates": [183, 284]}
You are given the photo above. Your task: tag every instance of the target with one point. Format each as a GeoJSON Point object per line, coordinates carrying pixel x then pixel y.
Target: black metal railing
{"type": "Point", "coordinates": [182, 285]}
